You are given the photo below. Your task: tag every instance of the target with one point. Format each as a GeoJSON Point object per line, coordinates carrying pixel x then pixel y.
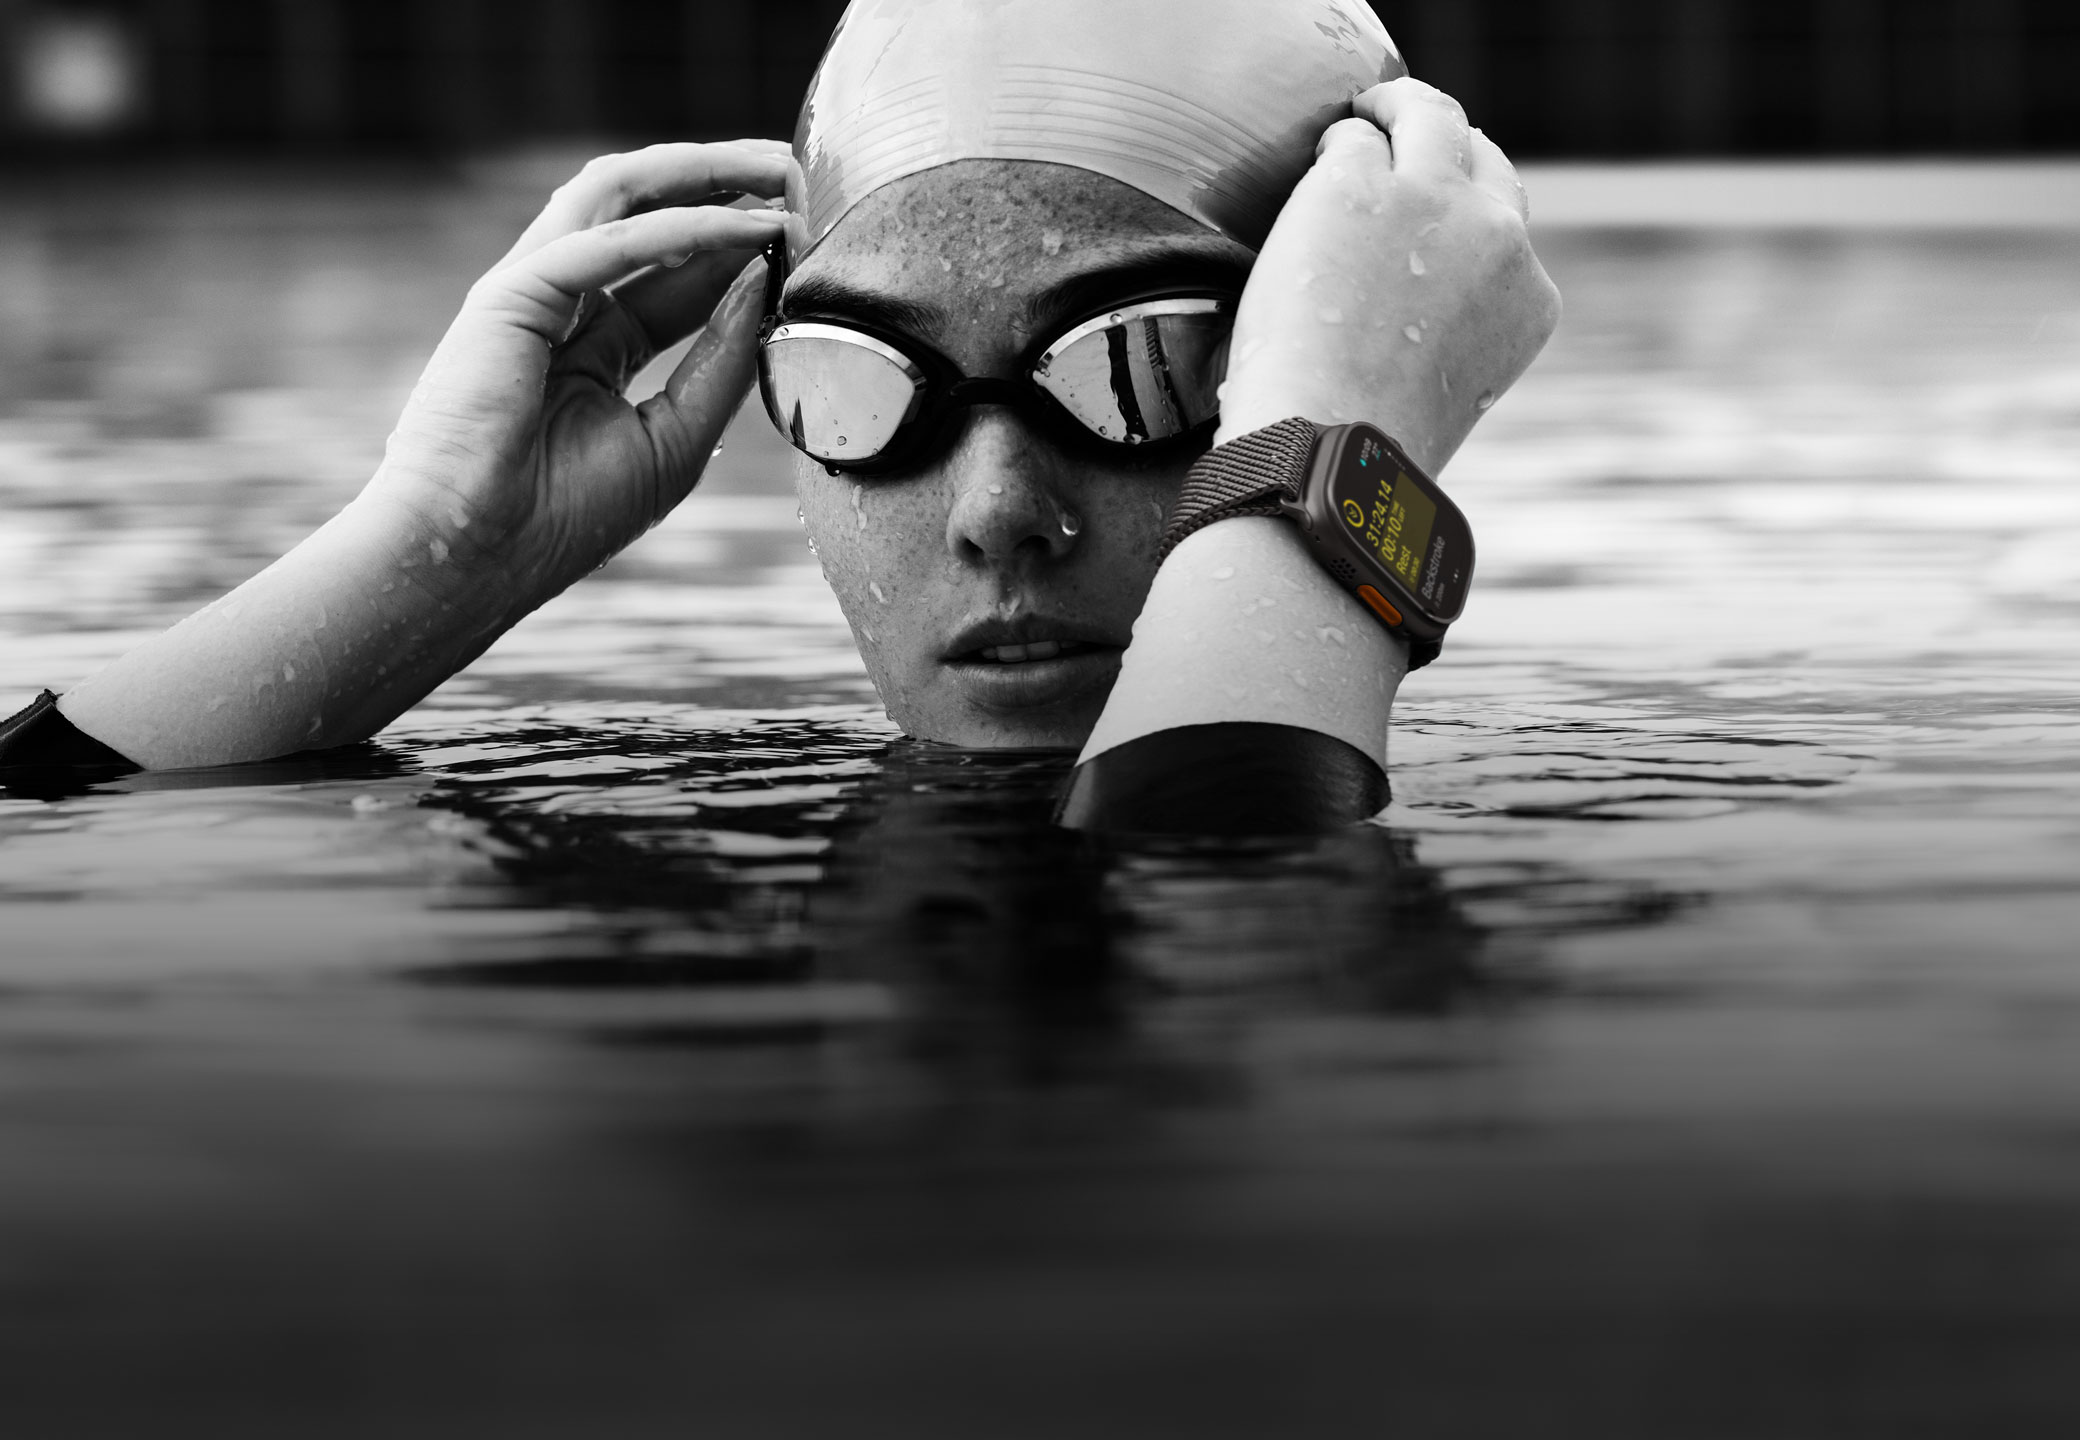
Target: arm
{"type": "Point", "coordinates": [516, 469]}
{"type": "Point", "coordinates": [1398, 287]}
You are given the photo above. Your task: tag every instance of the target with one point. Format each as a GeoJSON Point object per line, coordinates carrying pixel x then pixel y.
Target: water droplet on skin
{"type": "Point", "coordinates": [388, 586]}
{"type": "Point", "coordinates": [874, 589]}
{"type": "Point", "coordinates": [869, 634]}
{"type": "Point", "coordinates": [1416, 265]}
{"type": "Point", "coordinates": [288, 672]}
{"type": "Point", "coordinates": [1072, 524]}
{"type": "Point", "coordinates": [717, 450]}
{"type": "Point", "coordinates": [1328, 633]}
{"type": "Point", "coordinates": [1486, 402]}
{"type": "Point", "coordinates": [317, 724]}
{"type": "Point", "coordinates": [858, 513]}
{"type": "Point", "coordinates": [1226, 572]}
{"type": "Point", "coordinates": [1329, 315]}
{"type": "Point", "coordinates": [996, 489]}
{"type": "Point", "coordinates": [1050, 242]}
{"type": "Point", "coordinates": [1431, 229]}
{"type": "Point", "coordinates": [1414, 335]}
{"type": "Point", "coordinates": [800, 518]}
{"type": "Point", "coordinates": [945, 265]}
{"type": "Point", "coordinates": [1157, 510]}
{"type": "Point", "coordinates": [812, 545]}
{"type": "Point", "coordinates": [459, 518]}
{"type": "Point", "coordinates": [367, 805]}
{"type": "Point", "coordinates": [1301, 681]}
{"type": "Point", "coordinates": [438, 549]}
{"type": "Point", "coordinates": [1445, 380]}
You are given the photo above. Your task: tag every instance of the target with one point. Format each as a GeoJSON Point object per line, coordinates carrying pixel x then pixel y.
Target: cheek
{"type": "Point", "coordinates": [876, 544]}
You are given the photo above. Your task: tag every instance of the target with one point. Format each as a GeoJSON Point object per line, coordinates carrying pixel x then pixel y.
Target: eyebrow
{"type": "Point", "coordinates": [1173, 268]}
{"type": "Point", "coordinates": [828, 297]}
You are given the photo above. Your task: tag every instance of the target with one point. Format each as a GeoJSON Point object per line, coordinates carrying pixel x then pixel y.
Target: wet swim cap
{"type": "Point", "coordinates": [1211, 106]}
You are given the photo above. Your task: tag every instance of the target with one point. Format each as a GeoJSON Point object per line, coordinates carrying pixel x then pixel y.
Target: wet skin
{"type": "Point", "coordinates": [1010, 535]}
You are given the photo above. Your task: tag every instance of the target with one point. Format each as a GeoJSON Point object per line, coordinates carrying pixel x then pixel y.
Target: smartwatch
{"type": "Point", "coordinates": [1382, 529]}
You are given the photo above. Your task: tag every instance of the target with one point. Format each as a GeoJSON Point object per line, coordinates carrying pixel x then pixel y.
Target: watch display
{"type": "Point", "coordinates": [1394, 532]}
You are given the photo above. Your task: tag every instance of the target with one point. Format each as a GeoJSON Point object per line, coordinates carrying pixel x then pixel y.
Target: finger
{"type": "Point", "coordinates": [670, 304]}
{"type": "Point", "coordinates": [613, 187]}
{"type": "Point", "coordinates": [632, 323]}
{"type": "Point", "coordinates": [1493, 173]}
{"type": "Point", "coordinates": [1428, 129]}
{"type": "Point", "coordinates": [687, 417]}
{"type": "Point", "coordinates": [542, 291]}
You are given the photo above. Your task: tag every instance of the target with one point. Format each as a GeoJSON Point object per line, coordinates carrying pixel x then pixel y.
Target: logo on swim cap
{"type": "Point", "coordinates": [1213, 107]}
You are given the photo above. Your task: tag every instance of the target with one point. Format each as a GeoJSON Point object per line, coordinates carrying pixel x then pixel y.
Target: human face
{"type": "Point", "coordinates": [993, 587]}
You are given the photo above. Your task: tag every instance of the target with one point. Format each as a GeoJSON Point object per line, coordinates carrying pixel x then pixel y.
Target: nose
{"type": "Point", "coordinates": [1009, 504]}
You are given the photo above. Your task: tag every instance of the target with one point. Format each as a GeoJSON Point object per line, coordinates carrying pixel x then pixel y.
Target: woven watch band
{"type": "Point", "coordinates": [1253, 475]}
{"type": "Point", "coordinates": [1249, 475]}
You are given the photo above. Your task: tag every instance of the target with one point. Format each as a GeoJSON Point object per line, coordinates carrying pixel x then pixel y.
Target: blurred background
{"type": "Point", "coordinates": [1583, 78]}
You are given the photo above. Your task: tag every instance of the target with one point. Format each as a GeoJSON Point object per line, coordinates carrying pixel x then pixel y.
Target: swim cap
{"type": "Point", "coordinates": [1213, 107]}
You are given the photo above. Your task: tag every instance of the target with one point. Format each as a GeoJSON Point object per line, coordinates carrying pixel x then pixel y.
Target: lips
{"type": "Point", "coordinates": [1031, 662]}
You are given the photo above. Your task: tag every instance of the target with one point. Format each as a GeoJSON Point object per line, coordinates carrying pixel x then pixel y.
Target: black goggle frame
{"type": "Point", "coordinates": [944, 389]}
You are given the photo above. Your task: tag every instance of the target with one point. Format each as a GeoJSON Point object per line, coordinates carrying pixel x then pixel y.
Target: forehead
{"type": "Point", "coordinates": [979, 239]}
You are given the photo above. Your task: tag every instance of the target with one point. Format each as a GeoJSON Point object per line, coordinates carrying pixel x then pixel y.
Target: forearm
{"type": "Point", "coordinates": [324, 647]}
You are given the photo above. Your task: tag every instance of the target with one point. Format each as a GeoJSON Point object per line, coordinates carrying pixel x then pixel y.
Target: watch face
{"type": "Point", "coordinates": [1409, 532]}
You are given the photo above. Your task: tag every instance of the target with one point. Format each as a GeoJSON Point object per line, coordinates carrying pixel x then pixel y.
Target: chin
{"type": "Point", "coordinates": [956, 716]}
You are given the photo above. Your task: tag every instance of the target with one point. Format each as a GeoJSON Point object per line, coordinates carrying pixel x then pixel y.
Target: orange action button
{"type": "Point", "coordinates": [1379, 603]}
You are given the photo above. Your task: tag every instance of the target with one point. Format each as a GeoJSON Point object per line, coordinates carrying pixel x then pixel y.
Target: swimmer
{"type": "Point", "coordinates": [968, 186]}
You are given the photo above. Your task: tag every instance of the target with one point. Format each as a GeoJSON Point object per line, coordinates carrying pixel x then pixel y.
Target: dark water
{"type": "Point", "coordinates": [641, 1038]}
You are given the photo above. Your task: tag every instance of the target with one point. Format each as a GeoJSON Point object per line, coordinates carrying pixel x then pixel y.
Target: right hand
{"type": "Point", "coordinates": [517, 466]}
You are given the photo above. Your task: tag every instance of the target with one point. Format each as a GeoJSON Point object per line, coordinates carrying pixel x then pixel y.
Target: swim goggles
{"type": "Point", "coordinates": [864, 401]}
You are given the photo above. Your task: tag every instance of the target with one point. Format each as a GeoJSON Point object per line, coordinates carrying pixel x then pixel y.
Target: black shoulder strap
{"type": "Point", "coordinates": [41, 735]}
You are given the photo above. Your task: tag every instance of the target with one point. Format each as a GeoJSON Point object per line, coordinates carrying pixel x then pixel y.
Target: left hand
{"type": "Point", "coordinates": [1398, 286]}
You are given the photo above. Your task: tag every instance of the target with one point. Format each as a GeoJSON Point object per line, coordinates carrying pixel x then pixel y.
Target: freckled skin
{"type": "Point", "coordinates": [976, 531]}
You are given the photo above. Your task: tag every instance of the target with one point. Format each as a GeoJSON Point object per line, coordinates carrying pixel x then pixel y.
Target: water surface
{"type": "Point", "coordinates": [640, 1036]}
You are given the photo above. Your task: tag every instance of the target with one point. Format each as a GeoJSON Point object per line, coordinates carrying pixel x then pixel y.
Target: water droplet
{"type": "Point", "coordinates": [996, 489]}
{"type": "Point", "coordinates": [1072, 523]}
{"type": "Point", "coordinates": [1416, 265]}
{"type": "Point", "coordinates": [368, 805]}
{"type": "Point", "coordinates": [799, 517]}
{"type": "Point", "coordinates": [717, 450]}
{"type": "Point", "coordinates": [869, 634]}
{"type": "Point", "coordinates": [1445, 380]}
{"type": "Point", "coordinates": [812, 546]}
{"type": "Point", "coordinates": [459, 518]}
{"type": "Point", "coordinates": [438, 549]}
{"type": "Point", "coordinates": [946, 265]}
{"type": "Point", "coordinates": [288, 672]}
{"type": "Point", "coordinates": [1415, 336]}
{"type": "Point", "coordinates": [1329, 315]}
{"type": "Point", "coordinates": [843, 442]}
{"type": "Point", "coordinates": [1226, 572]}
{"type": "Point", "coordinates": [1050, 242]}
{"type": "Point", "coordinates": [1486, 402]}
{"type": "Point", "coordinates": [874, 589]}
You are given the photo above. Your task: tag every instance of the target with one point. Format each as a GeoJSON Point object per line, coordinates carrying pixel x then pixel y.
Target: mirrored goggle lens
{"type": "Point", "coordinates": [837, 394]}
{"type": "Point", "coordinates": [1144, 372]}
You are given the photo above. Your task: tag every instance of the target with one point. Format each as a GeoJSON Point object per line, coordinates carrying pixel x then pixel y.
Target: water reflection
{"type": "Point", "coordinates": [641, 1034]}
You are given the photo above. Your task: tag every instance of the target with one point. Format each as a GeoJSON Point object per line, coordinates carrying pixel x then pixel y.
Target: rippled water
{"type": "Point", "coordinates": [641, 1036]}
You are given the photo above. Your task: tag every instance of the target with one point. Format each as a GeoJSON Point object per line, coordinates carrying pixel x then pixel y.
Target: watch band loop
{"type": "Point", "coordinates": [1250, 475]}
